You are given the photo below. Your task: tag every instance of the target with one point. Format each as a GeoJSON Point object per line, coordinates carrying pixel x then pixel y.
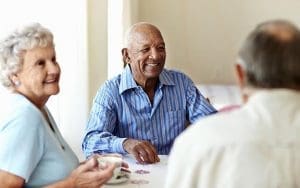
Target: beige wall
{"type": "Point", "coordinates": [97, 45]}
{"type": "Point", "coordinates": [202, 36]}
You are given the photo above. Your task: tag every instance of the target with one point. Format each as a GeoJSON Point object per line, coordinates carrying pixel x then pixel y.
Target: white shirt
{"type": "Point", "coordinates": [255, 146]}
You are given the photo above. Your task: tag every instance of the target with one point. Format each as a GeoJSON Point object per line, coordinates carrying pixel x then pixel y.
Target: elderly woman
{"type": "Point", "coordinates": [33, 152]}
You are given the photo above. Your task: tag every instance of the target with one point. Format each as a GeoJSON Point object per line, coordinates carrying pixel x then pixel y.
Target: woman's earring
{"type": "Point", "coordinates": [17, 83]}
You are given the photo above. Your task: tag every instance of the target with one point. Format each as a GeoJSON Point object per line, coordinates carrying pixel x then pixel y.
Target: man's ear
{"type": "Point", "coordinates": [241, 79]}
{"type": "Point", "coordinates": [240, 75]}
{"type": "Point", "coordinates": [126, 59]}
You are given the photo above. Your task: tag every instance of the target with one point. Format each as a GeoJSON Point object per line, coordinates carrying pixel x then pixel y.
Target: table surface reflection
{"type": "Point", "coordinates": [144, 175]}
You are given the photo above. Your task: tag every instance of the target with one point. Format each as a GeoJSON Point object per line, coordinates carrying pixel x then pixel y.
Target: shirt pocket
{"type": "Point", "coordinates": [176, 122]}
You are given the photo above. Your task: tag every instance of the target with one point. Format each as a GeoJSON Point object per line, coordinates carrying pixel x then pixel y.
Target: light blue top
{"type": "Point", "coordinates": [29, 148]}
{"type": "Point", "coordinates": [122, 110]}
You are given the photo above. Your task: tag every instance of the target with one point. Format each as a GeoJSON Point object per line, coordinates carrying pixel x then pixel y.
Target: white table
{"type": "Point", "coordinates": [154, 179]}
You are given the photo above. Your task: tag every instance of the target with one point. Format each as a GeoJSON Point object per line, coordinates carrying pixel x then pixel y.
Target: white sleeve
{"type": "Point", "coordinates": [181, 169]}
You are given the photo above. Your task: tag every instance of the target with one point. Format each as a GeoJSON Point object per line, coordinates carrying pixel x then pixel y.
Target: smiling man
{"type": "Point", "coordinates": [143, 110]}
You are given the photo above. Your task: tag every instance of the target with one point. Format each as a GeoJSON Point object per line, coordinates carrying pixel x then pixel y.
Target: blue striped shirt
{"type": "Point", "coordinates": [123, 110]}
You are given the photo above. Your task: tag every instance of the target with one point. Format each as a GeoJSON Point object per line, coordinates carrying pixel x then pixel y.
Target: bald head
{"type": "Point", "coordinates": [281, 30]}
{"type": "Point", "coordinates": [271, 55]}
{"type": "Point", "coordinates": [134, 33]}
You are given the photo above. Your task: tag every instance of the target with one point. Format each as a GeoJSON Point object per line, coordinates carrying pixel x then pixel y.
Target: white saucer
{"type": "Point", "coordinates": [123, 177]}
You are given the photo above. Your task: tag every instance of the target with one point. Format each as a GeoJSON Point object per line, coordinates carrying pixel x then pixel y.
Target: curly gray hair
{"type": "Point", "coordinates": [12, 49]}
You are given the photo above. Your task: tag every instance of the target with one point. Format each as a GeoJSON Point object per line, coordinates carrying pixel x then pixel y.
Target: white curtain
{"type": "Point", "coordinates": [121, 14]}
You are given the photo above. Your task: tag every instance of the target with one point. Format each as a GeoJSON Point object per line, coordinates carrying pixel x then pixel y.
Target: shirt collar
{"type": "Point", "coordinates": [127, 81]}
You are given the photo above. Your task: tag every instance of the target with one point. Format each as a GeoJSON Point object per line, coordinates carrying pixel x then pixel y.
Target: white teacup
{"type": "Point", "coordinates": [115, 159]}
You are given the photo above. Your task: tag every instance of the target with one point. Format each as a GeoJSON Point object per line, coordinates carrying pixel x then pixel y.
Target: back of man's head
{"type": "Point", "coordinates": [270, 56]}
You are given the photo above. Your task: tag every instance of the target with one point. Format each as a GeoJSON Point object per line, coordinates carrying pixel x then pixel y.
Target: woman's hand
{"type": "Point", "coordinates": [89, 175]}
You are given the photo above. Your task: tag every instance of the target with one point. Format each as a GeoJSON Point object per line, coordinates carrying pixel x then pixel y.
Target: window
{"type": "Point", "coordinates": [67, 21]}
{"type": "Point", "coordinates": [115, 37]}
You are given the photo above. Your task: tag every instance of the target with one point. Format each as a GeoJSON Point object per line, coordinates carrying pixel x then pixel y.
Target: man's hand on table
{"type": "Point", "coordinates": [142, 150]}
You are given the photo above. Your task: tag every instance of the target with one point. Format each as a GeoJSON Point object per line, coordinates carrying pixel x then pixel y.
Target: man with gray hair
{"type": "Point", "coordinates": [257, 145]}
{"type": "Point", "coordinates": [142, 110]}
